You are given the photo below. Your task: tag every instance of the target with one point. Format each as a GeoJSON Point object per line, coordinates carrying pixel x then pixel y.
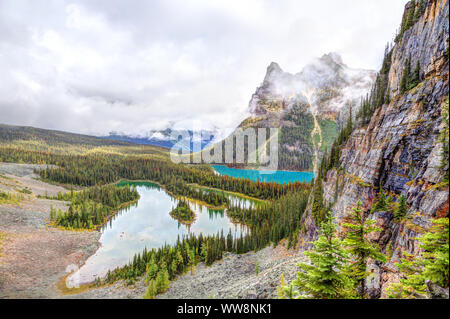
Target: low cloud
{"type": "Point", "coordinates": [132, 66]}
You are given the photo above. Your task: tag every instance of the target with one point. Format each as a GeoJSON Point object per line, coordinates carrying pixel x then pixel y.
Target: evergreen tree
{"type": "Point", "coordinates": [436, 253]}
{"type": "Point", "coordinates": [204, 252]}
{"type": "Point", "coordinates": [431, 264]}
{"type": "Point", "coordinates": [415, 77]}
{"type": "Point", "coordinates": [336, 188]}
{"type": "Point", "coordinates": [411, 14]}
{"type": "Point", "coordinates": [404, 82]}
{"type": "Point", "coordinates": [162, 279]}
{"type": "Point", "coordinates": [389, 201]}
{"type": "Point", "coordinates": [387, 99]}
{"type": "Point", "coordinates": [325, 276]}
{"type": "Point", "coordinates": [173, 269]}
{"type": "Point", "coordinates": [318, 208]}
{"type": "Point", "coordinates": [349, 126]}
{"type": "Point", "coordinates": [381, 204]}
{"type": "Point", "coordinates": [387, 59]}
{"type": "Point", "coordinates": [402, 208]}
{"type": "Point", "coordinates": [192, 259]}
{"type": "Point", "coordinates": [403, 23]}
{"type": "Point", "coordinates": [180, 260]}
{"type": "Point", "coordinates": [152, 291]}
{"type": "Point", "coordinates": [419, 11]}
{"type": "Point", "coordinates": [229, 241]}
{"type": "Point", "coordinates": [52, 213]}
{"type": "Point", "coordinates": [285, 291]}
{"type": "Point", "coordinates": [360, 248]}
{"type": "Point", "coordinates": [152, 270]}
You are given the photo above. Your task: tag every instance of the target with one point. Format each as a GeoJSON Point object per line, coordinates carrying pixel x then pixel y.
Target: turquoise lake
{"type": "Point", "coordinates": [147, 224]}
{"type": "Point", "coordinates": [264, 176]}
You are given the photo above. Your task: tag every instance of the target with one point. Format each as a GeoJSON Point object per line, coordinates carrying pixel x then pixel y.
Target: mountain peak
{"type": "Point", "coordinates": [332, 81]}
{"type": "Point", "coordinates": [273, 66]}
{"type": "Point", "coordinates": [272, 70]}
{"type": "Point", "coordinates": [332, 57]}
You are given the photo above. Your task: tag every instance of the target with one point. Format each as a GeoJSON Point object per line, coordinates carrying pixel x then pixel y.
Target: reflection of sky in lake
{"type": "Point", "coordinates": [148, 224]}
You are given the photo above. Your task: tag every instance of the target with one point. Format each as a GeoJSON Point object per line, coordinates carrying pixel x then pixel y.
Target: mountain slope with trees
{"type": "Point", "coordinates": [309, 107]}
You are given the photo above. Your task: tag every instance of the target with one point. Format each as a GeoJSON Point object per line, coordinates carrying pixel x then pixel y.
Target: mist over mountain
{"type": "Point", "coordinates": [327, 83]}
{"type": "Point", "coordinates": [321, 93]}
{"type": "Point", "coordinates": [309, 107]}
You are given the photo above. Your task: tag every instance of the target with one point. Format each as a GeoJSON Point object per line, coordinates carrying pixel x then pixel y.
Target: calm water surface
{"type": "Point", "coordinates": [148, 224]}
{"type": "Point", "coordinates": [264, 176]}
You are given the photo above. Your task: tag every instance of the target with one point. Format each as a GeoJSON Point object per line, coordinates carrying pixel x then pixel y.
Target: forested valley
{"type": "Point", "coordinates": [276, 217]}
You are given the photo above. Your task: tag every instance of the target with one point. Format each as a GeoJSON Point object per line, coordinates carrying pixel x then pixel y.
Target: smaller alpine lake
{"type": "Point", "coordinates": [264, 176]}
{"type": "Point", "coordinates": [148, 224]}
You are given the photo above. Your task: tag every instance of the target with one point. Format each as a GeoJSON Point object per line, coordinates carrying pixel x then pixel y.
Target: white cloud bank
{"type": "Point", "coordinates": [97, 66]}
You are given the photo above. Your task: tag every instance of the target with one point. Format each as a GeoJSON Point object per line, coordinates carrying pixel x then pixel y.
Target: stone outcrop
{"type": "Point", "coordinates": [399, 149]}
{"type": "Point", "coordinates": [436, 292]}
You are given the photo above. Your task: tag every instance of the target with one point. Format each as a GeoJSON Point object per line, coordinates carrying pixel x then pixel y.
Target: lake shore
{"type": "Point", "coordinates": [231, 193]}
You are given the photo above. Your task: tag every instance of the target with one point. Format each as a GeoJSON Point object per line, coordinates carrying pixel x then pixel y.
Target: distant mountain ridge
{"type": "Point", "coordinates": [165, 138]}
{"type": "Point", "coordinates": [11, 133]}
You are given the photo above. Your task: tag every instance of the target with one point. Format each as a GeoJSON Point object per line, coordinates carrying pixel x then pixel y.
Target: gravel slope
{"type": "Point", "coordinates": [232, 277]}
{"type": "Point", "coordinates": [33, 257]}
{"type": "Point", "coordinates": [235, 276]}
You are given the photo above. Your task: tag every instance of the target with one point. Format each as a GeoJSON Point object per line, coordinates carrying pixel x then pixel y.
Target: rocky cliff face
{"type": "Point", "coordinates": [399, 149]}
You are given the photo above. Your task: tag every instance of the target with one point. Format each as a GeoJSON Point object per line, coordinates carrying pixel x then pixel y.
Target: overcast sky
{"type": "Point", "coordinates": [96, 66]}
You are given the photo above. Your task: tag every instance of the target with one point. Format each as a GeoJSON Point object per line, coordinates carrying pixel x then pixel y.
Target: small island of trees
{"type": "Point", "coordinates": [183, 213]}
